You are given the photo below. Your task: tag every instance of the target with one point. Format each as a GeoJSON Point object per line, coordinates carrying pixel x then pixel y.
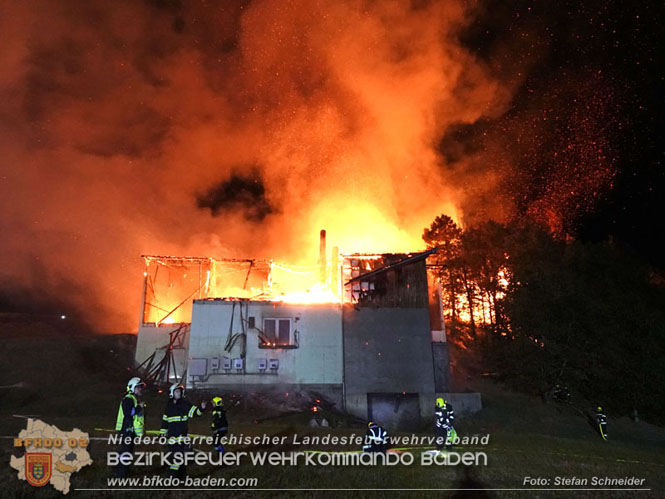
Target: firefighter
{"type": "Point", "coordinates": [443, 426]}
{"type": "Point", "coordinates": [174, 425]}
{"type": "Point", "coordinates": [219, 425]}
{"type": "Point", "coordinates": [130, 420]}
{"type": "Point", "coordinates": [601, 421]}
{"type": "Point", "coordinates": [376, 438]}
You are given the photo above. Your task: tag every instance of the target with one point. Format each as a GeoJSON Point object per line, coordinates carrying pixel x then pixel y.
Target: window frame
{"type": "Point", "coordinates": [293, 337]}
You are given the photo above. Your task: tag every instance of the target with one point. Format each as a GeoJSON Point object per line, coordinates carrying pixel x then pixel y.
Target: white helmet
{"type": "Point", "coordinates": [174, 387]}
{"type": "Point", "coordinates": [133, 383]}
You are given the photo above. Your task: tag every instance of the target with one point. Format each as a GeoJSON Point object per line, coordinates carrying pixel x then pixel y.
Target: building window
{"type": "Point", "coordinates": [277, 333]}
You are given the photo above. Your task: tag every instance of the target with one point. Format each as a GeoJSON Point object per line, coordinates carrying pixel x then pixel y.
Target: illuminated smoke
{"type": "Point", "coordinates": [139, 127]}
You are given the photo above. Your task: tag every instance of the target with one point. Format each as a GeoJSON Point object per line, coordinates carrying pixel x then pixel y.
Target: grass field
{"type": "Point", "coordinates": [77, 381]}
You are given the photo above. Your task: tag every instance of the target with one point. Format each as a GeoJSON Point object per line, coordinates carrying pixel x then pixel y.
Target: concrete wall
{"type": "Point", "coordinates": [394, 410]}
{"type": "Point", "coordinates": [387, 350]}
{"type": "Point", "coordinates": [316, 363]}
{"type": "Point", "coordinates": [463, 403]}
{"type": "Point", "coordinates": [372, 350]}
{"type": "Point", "coordinates": [441, 360]}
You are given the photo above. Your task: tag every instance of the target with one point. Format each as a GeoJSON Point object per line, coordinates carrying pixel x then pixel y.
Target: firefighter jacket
{"type": "Point", "coordinates": [130, 419]}
{"type": "Point", "coordinates": [376, 439]}
{"type": "Point", "coordinates": [219, 421]}
{"type": "Point", "coordinates": [601, 418]}
{"type": "Point", "coordinates": [174, 420]}
{"type": "Point", "coordinates": [444, 416]}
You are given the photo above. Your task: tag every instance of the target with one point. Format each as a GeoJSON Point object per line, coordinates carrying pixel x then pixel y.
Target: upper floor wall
{"type": "Point", "coordinates": [234, 342]}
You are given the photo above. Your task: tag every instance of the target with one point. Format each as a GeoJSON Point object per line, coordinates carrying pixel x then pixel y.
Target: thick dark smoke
{"type": "Point", "coordinates": [240, 193]}
{"type": "Point", "coordinates": [120, 121]}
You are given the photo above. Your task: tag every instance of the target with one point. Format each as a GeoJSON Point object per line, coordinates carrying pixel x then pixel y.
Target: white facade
{"type": "Point", "coordinates": [155, 339]}
{"type": "Point", "coordinates": [310, 351]}
{"type": "Point", "coordinates": [383, 361]}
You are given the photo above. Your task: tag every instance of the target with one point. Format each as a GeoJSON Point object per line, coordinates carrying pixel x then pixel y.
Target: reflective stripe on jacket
{"type": "Point", "coordinates": [444, 416]}
{"type": "Point", "coordinates": [219, 421]}
{"type": "Point", "coordinates": [175, 417]}
{"type": "Point", "coordinates": [131, 418]}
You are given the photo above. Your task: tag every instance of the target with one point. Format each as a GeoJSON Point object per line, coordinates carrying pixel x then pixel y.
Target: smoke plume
{"type": "Point", "coordinates": [232, 129]}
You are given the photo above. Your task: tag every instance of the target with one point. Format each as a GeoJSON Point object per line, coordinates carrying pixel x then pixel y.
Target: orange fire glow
{"type": "Point", "coordinates": [483, 312]}
{"type": "Point", "coordinates": [333, 109]}
{"type": "Point", "coordinates": [318, 294]}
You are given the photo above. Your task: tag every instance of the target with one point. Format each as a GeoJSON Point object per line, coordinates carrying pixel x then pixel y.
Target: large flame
{"type": "Point", "coordinates": [234, 129]}
{"type": "Point", "coordinates": [316, 295]}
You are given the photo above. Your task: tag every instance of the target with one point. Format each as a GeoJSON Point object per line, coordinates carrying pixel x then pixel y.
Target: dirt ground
{"type": "Point", "coordinates": [76, 381]}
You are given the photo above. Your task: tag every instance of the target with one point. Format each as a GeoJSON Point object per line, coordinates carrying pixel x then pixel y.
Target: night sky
{"type": "Point", "coordinates": [597, 67]}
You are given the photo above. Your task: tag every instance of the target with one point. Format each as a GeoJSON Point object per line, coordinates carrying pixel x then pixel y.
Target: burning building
{"type": "Point", "coordinates": [365, 331]}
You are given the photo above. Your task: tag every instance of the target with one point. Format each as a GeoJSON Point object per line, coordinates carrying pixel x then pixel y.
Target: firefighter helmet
{"type": "Point", "coordinates": [599, 409]}
{"type": "Point", "coordinates": [371, 424]}
{"type": "Point", "coordinates": [133, 383]}
{"type": "Point", "coordinates": [440, 402]}
{"type": "Point", "coordinates": [174, 387]}
{"type": "Point", "coordinates": [217, 402]}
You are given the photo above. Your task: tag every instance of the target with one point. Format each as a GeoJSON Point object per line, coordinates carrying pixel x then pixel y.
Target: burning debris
{"type": "Point", "coordinates": [171, 283]}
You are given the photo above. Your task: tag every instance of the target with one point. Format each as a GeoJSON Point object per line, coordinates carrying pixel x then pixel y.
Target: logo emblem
{"type": "Point", "coordinates": [37, 468]}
